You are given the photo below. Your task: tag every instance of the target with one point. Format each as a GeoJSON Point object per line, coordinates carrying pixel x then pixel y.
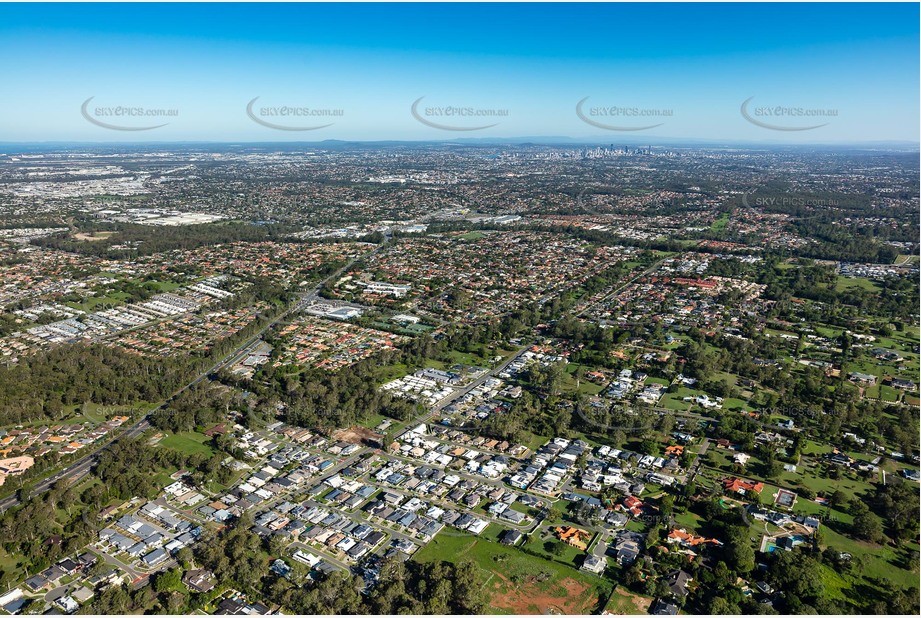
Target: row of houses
{"type": "Point", "coordinates": [434, 483]}
{"type": "Point", "coordinates": [554, 462]}
{"type": "Point", "coordinates": [52, 576]}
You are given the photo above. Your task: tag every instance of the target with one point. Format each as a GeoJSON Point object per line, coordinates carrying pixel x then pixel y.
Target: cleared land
{"type": "Point", "coordinates": [519, 583]}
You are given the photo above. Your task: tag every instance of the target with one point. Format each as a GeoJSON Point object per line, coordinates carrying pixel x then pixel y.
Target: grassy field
{"type": "Point", "coordinates": [624, 602]}
{"type": "Point", "coordinates": [585, 386]}
{"type": "Point", "coordinates": [675, 401]}
{"type": "Point", "coordinates": [373, 421]}
{"type": "Point", "coordinates": [518, 582]}
{"type": "Point", "coordinates": [731, 403]}
{"type": "Point", "coordinates": [536, 442]}
{"type": "Point", "coordinates": [188, 442]}
{"type": "Point", "coordinates": [392, 372]}
{"type": "Point", "coordinates": [846, 283]}
{"type": "Point", "coordinates": [877, 560]}
{"type": "Point", "coordinates": [835, 585]}
{"type": "Point", "coordinates": [476, 360]}
{"type": "Point", "coordinates": [166, 286]}
{"type": "Point", "coordinates": [92, 303]}
{"type": "Point", "coordinates": [10, 564]}
{"type": "Point", "coordinates": [719, 225]}
{"type": "Point", "coordinates": [472, 236]}
{"type": "Point", "coordinates": [162, 479]}
{"type": "Point", "coordinates": [687, 520]}
{"type": "Point", "coordinates": [570, 556]}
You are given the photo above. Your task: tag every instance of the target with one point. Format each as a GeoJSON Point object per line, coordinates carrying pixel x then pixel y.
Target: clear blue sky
{"type": "Point", "coordinates": [537, 61]}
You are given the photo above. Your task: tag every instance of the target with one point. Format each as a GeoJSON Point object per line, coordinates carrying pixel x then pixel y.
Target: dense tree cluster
{"type": "Point", "coordinates": [41, 386]}
{"type": "Point", "coordinates": [800, 575]}
{"type": "Point", "coordinates": [150, 239]}
{"type": "Point", "coordinates": [126, 469]}
{"type": "Point", "coordinates": [238, 557]}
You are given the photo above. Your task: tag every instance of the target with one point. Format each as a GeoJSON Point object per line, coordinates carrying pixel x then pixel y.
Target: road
{"type": "Point", "coordinates": [454, 396]}
{"type": "Point", "coordinates": [81, 467]}
{"type": "Point", "coordinates": [474, 384]}
{"type": "Point", "coordinates": [580, 311]}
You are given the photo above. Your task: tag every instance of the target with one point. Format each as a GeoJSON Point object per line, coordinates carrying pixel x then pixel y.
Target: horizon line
{"type": "Point", "coordinates": [522, 140]}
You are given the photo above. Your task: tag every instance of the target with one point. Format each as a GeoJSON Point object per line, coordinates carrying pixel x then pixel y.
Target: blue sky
{"type": "Point", "coordinates": [694, 63]}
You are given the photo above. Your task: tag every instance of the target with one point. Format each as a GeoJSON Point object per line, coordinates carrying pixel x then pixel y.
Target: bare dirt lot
{"type": "Point", "coordinates": [93, 237]}
{"type": "Point", "coordinates": [357, 435]}
{"type": "Point", "coordinates": [568, 596]}
{"type": "Point", "coordinates": [624, 602]}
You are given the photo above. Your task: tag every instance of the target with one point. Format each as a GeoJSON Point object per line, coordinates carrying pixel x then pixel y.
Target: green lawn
{"type": "Point", "coordinates": [570, 556]}
{"type": "Point", "coordinates": [476, 360]}
{"type": "Point", "coordinates": [887, 393]}
{"type": "Point", "coordinates": [731, 403]}
{"type": "Point", "coordinates": [809, 477]}
{"type": "Point", "coordinates": [9, 563]}
{"type": "Point", "coordinates": [675, 401]}
{"type": "Point", "coordinates": [835, 585]}
{"type": "Point", "coordinates": [878, 560]}
{"type": "Point", "coordinates": [536, 442]}
{"type": "Point", "coordinates": [846, 283]}
{"type": "Point", "coordinates": [687, 520]}
{"type": "Point", "coordinates": [719, 225]}
{"type": "Point", "coordinates": [373, 421]}
{"type": "Point", "coordinates": [188, 442]}
{"type": "Point", "coordinates": [92, 303]}
{"type": "Point", "coordinates": [472, 236]}
{"type": "Point", "coordinates": [515, 579]}
{"type": "Point", "coordinates": [162, 479]}
{"type": "Point", "coordinates": [585, 386]}
{"type": "Point", "coordinates": [166, 286]}
{"type": "Point", "coordinates": [815, 449]}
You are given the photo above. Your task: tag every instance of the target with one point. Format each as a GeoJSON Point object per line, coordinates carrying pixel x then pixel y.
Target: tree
{"type": "Point", "coordinates": [867, 526]}
{"type": "Point", "coordinates": [185, 557]}
{"type": "Point", "coordinates": [167, 581]}
{"type": "Point", "coordinates": [798, 574]}
{"type": "Point", "coordinates": [666, 507]}
{"type": "Point", "coordinates": [721, 607]}
{"type": "Point", "coordinates": [741, 556]}
{"type": "Point", "coordinates": [838, 499]}
{"type": "Point", "coordinates": [114, 600]}
{"type": "Point", "coordinates": [633, 576]}
{"type": "Point", "coordinates": [649, 446]}
{"type": "Point", "coordinates": [555, 547]}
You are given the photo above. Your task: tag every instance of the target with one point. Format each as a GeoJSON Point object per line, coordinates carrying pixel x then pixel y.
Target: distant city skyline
{"type": "Point", "coordinates": [618, 73]}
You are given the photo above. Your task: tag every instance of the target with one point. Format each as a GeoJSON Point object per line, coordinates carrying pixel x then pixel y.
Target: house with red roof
{"type": "Point", "coordinates": [740, 486]}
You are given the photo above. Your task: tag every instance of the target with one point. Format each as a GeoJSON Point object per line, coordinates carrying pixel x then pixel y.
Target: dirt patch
{"type": "Point", "coordinates": [529, 597]}
{"type": "Point", "coordinates": [93, 237]}
{"type": "Point", "coordinates": [624, 602]}
{"type": "Point", "coordinates": [358, 435]}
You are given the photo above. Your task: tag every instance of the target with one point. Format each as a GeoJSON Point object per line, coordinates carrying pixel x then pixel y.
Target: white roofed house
{"type": "Point", "coordinates": [594, 564]}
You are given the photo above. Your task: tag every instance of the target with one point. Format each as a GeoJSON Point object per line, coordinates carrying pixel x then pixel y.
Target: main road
{"type": "Point", "coordinates": [81, 467]}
